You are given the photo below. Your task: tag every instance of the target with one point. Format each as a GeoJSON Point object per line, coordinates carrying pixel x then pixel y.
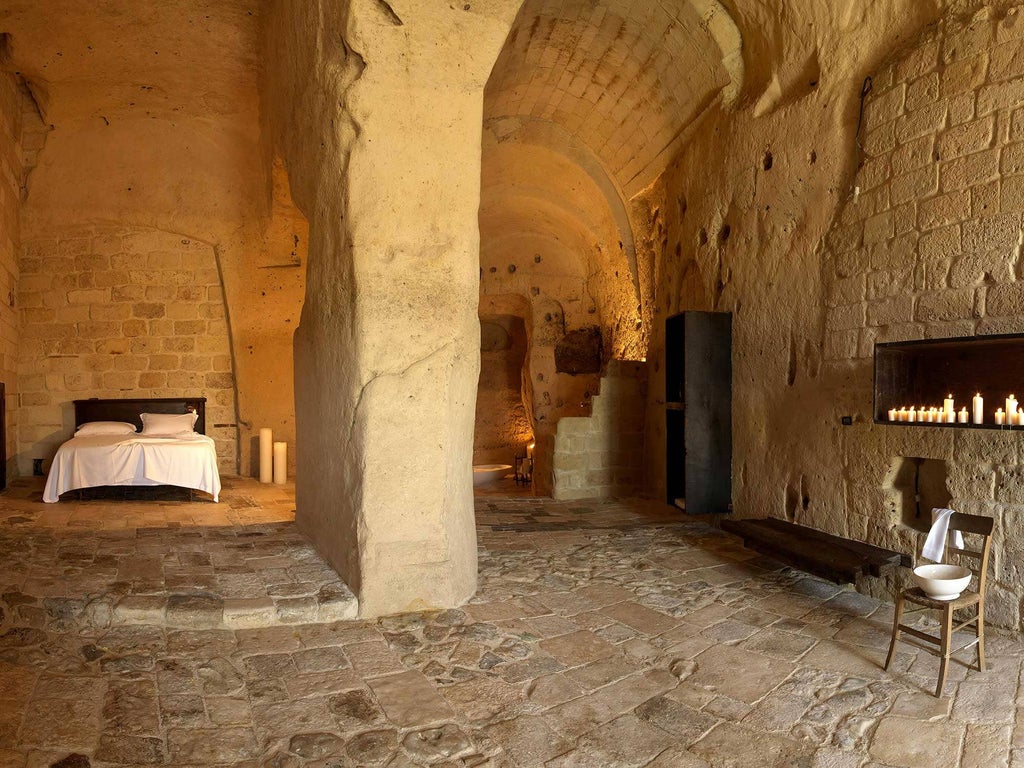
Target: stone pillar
{"type": "Point", "coordinates": [387, 350]}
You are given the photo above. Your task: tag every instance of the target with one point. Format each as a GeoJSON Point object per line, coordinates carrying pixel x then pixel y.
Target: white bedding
{"type": "Point", "coordinates": [189, 461]}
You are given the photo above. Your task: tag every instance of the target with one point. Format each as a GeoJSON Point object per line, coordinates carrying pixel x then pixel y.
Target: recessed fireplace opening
{"type": "Point", "coordinates": [917, 485]}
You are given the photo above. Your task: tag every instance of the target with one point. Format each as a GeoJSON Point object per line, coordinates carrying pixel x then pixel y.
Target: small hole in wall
{"type": "Point", "coordinates": [702, 236]}
{"type": "Point", "coordinates": [768, 161]}
{"type": "Point", "coordinates": [812, 158]}
{"type": "Point", "coordinates": [724, 234]}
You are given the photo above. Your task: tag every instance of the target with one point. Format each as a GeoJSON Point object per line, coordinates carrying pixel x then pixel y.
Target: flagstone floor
{"type": "Point", "coordinates": [603, 634]}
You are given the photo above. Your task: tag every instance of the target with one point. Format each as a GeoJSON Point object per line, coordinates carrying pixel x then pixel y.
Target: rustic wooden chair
{"type": "Point", "coordinates": [977, 561]}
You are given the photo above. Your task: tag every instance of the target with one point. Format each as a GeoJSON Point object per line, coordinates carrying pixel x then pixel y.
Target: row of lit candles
{"type": "Point", "coordinates": [947, 414]}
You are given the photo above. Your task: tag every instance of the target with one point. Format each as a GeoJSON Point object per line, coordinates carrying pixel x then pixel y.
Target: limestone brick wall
{"type": "Point", "coordinates": [602, 454]}
{"type": "Point", "coordinates": [111, 312]}
{"type": "Point", "coordinates": [928, 245]}
{"type": "Point", "coordinates": [12, 104]}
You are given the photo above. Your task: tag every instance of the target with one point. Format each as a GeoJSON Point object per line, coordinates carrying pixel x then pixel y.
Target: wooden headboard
{"type": "Point", "coordinates": [128, 409]}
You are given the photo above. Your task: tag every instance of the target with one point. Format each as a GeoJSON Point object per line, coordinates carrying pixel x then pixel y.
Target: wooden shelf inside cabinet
{"type": "Point", "coordinates": [923, 372]}
{"type": "Point", "coordinates": [675, 406]}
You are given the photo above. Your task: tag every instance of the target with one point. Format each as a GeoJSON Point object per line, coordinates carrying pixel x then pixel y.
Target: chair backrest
{"type": "Point", "coordinates": [975, 559]}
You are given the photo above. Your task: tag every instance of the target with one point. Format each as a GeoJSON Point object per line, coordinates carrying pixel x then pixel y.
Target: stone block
{"type": "Point", "coordinates": [842, 317]}
{"type": "Point", "coordinates": [944, 209]}
{"type": "Point", "coordinates": [846, 238]}
{"type": "Point", "coordinates": [1011, 196]}
{"type": "Point", "coordinates": [874, 172]}
{"type": "Point", "coordinates": [922, 92]}
{"type": "Point", "coordinates": [1005, 300]}
{"type": "Point", "coordinates": [942, 243]}
{"type": "Point", "coordinates": [884, 108]}
{"type": "Point", "coordinates": [932, 276]}
{"type": "Point", "coordinates": [1000, 232]}
{"type": "Point", "coordinates": [898, 253]}
{"type": "Point", "coordinates": [967, 139]}
{"type": "Point", "coordinates": [898, 309]}
{"type": "Point", "coordinates": [846, 290]}
{"type": "Point", "coordinates": [889, 282]}
{"type": "Point", "coordinates": [962, 109]}
{"type": "Point", "coordinates": [945, 305]}
{"type": "Point", "coordinates": [91, 296]}
{"type": "Point", "coordinates": [160, 327]}
{"type": "Point", "coordinates": [985, 200]}
{"type": "Point", "coordinates": [1009, 93]}
{"type": "Point", "coordinates": [1011, 160]}
{"type": "Point", "coordinates": [880, 140]}
{"type": "Point", "coordinates": [841, 345]}
{"type": "Point", "coordinates": [981, 269]}
{"type": "Point", "coordinates": [878, 228]}
{"type": "Point", "coordinates": [923, 58]}
{"type": "Point", "coordinates": [996, 325]}
{"type": "Point", "coordinates": [929, 119]}
{"type": "Point", "coordinates": [911, 187]}
{"type": "Point", "coordinates": [969, 171]}
{"type": "Point", "coordinates": [912, 155]}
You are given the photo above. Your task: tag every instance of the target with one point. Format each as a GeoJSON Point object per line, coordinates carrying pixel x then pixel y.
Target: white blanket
{"type": "Point", "coordinates": [86, 462]}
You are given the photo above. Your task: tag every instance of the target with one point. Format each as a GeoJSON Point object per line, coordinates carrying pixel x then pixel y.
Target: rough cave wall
{"type": "Point", "coordinates": [166, 243]}
{"type": "Point", "coordinates": [742, 230]}
{"type": "Point", "coordinates": [387, 350]}
{"type": "Point", "coordinates": [12, 106]}
{"type": "Point", "coordinates": [931, 248]}
{"type": "Point", "coordinates": [501, 429]}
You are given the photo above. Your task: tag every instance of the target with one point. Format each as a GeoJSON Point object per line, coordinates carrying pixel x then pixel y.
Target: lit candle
{"type": "Point", "coordinates": [529, 450]}
{"type": "Point", "coordinates": [892, 414]}
{"type": "Point", "coordinates": [1011, 408]}
{"type": "Point", "coordinates": [902, 415]}
{"type": "Point", "coordinates": [962, 416]}
{"type": "Point", "coordinates": [947, 406]}
{"type": "Point", "coordinates": [932, 415]}
{"type": "Point", "coordinates": [979, 408]}
{"type": "Point", "coordinates": [941, 417]}
{"type": "Point", "coordinates": [1000, 416]}
{"type": "Point", "coordinates": [912, 414]}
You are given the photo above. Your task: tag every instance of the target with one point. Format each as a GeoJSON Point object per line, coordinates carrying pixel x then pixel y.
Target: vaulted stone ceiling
{"type": "Point", "coordinates": [624, 78]}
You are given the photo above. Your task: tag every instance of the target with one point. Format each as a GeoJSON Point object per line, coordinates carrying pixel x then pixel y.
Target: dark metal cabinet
{"type": "Point", "coordinates": [698, 411]}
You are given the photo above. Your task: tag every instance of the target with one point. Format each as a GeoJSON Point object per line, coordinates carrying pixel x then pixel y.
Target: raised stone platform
{"type": "Point", "coordinates": [190, 576]}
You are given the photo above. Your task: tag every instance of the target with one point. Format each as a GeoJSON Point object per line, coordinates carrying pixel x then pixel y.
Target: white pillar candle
{"type": "Point", "coordinates": [266, 454]}
{"type": "Point", "coordinates": [912, 414]}
{"type": "Point", "coordinates": [962, 416]}
{"type": "Point", "coordinates": [930, 415]}
{"type": "Point", "coordinates": [1000, 416]}
{"type": "Point", "coordinates": [902, 415]}
{"type": "Point", "coordinates": [941, 417]}
{"type": "Point", "coordinates": [947, 406]}
{"type": "Point", "coordinates": [1011, 408]}
{"type": "Point", "coordinates": [892, 414]}
{"type": "Point", "coordinates": [280, 463]}
{"type": "Point", "coordinates": [978, 404]}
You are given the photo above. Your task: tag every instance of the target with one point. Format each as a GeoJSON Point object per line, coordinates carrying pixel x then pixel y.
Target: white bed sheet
{"type": "Point", "coordinates": [86, 462]}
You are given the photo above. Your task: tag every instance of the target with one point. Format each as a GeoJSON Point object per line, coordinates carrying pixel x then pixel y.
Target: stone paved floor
{"type": "Point", "coordinates": [603, 634]}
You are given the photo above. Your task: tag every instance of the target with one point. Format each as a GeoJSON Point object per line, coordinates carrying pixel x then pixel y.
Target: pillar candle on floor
{"type": "Point", "coordinates": [266, 454]}
{"type": "Point", "coordinates": [280, 463]}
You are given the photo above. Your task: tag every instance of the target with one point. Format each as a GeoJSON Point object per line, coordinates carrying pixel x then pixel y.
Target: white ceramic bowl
{"type": "Point", "coordinates": [485, 474]}
{"type": "Point", "coordinates": [942, 582]}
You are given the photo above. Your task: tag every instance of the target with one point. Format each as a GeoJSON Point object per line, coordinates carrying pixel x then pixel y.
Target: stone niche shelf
{"type": "Point", "coordinates": [924, 372]}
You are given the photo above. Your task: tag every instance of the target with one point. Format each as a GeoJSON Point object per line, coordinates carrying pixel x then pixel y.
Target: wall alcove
{"type": "Point", "coordinates": [925, 372]}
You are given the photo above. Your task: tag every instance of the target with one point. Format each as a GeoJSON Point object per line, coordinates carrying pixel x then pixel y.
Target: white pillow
{"type": "Point", "coordinates": [168, 424]}
{"type": "Point", "coordinates": [105, 428]}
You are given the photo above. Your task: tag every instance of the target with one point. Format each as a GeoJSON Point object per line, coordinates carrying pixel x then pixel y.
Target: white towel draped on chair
{"type": "Point", "coordinates": [935, 544]}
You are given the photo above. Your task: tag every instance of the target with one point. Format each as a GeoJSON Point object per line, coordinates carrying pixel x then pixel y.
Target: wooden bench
{"type": "Point", "coordinates": [832, 557]}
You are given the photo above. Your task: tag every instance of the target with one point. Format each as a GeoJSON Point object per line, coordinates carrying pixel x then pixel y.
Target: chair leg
{"type": "Point", "coordinates": [897, 616]}
{"type": "Point", "coordinates": [981, 635]}
{"type": "Point", "coordinates": [947, 638]}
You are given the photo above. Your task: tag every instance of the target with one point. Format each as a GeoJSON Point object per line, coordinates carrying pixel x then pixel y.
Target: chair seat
{"type": "Point", "coordinates": [918, 596]}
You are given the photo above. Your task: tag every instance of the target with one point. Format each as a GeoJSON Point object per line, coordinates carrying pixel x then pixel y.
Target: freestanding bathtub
{"type": "Point", "coordinates": [485, 474]}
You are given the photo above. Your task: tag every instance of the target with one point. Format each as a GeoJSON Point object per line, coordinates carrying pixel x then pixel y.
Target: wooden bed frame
{"type": "Point", "coordinates": [128, 409]}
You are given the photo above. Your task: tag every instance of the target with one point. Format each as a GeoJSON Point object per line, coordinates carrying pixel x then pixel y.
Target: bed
{"type": "Point", "coordinates": [185, 460]}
